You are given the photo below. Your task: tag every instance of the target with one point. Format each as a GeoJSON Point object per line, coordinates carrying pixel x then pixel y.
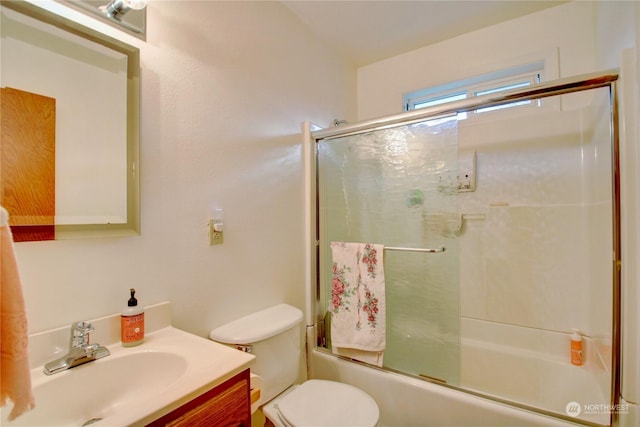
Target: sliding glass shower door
{"type": "Point", "coordinates": [486, 285]}
{"type": "Point", "coordinates": [398, 187]}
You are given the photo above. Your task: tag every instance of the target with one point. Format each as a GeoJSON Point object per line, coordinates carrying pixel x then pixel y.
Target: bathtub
{"type": "Point", "coordinates": [405, 401]}
{"type": "Point", "coordinates": [550, 383]}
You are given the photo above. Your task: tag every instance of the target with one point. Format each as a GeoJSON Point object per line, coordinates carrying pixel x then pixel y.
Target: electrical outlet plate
{"type": "Point", "coordinates": [215, 237]}
{"type": "Point", "coordinates": [467, 171]}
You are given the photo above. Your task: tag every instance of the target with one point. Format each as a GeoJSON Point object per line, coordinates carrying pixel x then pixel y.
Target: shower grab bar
{"type": "Point", "coordinates": [429, 250]}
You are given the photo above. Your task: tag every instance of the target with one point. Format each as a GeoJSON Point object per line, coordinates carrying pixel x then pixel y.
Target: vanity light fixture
{"type": "Point", "coordinates": [118, 8]}
{"type": "Point", "coordinates": [127, 15]}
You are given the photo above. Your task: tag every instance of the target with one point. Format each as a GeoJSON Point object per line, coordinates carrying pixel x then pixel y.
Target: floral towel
{"type": "Point", "coordinates": [357, 301]}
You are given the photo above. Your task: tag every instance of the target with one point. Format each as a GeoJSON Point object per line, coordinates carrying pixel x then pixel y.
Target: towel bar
{"type": "Point", "coordinates": [430, 250]}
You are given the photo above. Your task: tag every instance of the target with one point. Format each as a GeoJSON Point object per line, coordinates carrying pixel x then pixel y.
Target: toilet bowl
{"type": "Point", "coordinates": [274, 337]}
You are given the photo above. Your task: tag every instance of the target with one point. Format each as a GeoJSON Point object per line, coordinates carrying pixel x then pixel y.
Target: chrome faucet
{"type": "Point", "coordinates": [80, 350]}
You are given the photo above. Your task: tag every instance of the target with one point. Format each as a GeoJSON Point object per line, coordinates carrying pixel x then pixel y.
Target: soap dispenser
{"type": "Point", "coordinates": [576, 348]}
{"type": "Point", "coordinates": [132, 322]}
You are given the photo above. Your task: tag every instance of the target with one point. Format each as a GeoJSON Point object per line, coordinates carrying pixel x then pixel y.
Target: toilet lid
{"type": "Point", "coordinates": [320, 403]}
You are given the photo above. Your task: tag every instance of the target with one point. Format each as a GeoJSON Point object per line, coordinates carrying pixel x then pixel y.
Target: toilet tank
{"type": "Point", "coordinates": [274, 337]}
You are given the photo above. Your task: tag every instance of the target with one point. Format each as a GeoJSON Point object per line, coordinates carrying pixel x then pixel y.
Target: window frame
{"type": "Point", "coordinates": [497, 81]}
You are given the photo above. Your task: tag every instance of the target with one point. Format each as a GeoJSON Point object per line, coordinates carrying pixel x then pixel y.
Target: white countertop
{"type": "Point", "coordinates": [209, 364]}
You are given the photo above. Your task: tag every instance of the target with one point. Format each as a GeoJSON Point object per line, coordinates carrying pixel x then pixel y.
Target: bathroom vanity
{"type": "Point", "coordinates": [227, 404]}
{"type": "Point", "coordinates": [173, 378]}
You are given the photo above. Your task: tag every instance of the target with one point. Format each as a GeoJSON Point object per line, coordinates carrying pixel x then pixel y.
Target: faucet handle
{"type": "Point", "coordinates": [82, 327]}
{"type": "Point", "coordinates": [80, 333]}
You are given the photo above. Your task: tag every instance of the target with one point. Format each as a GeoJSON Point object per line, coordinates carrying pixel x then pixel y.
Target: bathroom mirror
{"type": "Point", "coordinates": [92, 84]}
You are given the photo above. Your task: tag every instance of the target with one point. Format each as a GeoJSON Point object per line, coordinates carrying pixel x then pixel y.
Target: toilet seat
{"type": "Point", "coordinates": [321, 403]}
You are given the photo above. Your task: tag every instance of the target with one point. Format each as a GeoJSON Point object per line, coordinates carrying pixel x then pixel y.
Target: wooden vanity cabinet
{"type": "Point", "coordinates": [227, 404]}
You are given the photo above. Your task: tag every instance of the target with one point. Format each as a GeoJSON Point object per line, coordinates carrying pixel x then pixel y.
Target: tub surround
{"type": "Point", "coordinates": [498, 359]}
{"type": "Point", "coordinates": [204, 367]}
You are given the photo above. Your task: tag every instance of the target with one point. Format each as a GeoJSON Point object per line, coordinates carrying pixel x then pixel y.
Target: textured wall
{"type": "Point", "coordinates": [225, 88]}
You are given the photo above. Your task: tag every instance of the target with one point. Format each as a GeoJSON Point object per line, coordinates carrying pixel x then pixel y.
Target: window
{"type": "Point", "coordinates": [498, 81]}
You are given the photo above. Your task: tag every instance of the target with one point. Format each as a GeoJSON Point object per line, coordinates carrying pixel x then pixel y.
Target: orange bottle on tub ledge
{"type": "Point", "coordinates": [132, 322]}
{"type": "Point", "coordinates": [576, 348]}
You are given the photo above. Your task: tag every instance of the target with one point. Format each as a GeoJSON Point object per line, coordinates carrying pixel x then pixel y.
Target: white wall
{"type": "Point", "coordinates": [619, 27]}
{"type": "Point", "coordinates": [567, 28]}
{"type": "Point", "coordinates": [630, 177]}
{"type": "Point", "coordinates": [225, 88]}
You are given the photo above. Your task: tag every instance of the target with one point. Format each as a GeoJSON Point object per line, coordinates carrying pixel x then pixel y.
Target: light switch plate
{"type": "Point", "coordinates": [215, 237]}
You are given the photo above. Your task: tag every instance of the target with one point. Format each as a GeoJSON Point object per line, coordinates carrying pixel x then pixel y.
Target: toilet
{"type": "Point", "coordinates": [273, 336]}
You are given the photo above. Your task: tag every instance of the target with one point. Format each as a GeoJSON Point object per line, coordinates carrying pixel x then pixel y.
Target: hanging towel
{"type": "Point", "coordinates": [358, 302]}
{"type": "Point", "coordinates": [15, 376]}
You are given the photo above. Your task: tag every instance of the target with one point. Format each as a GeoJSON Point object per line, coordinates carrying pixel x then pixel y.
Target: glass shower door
{"type": "Point", "coordinates": [492, 313]}
{"type": "Point", "coordinates": [398, 187]}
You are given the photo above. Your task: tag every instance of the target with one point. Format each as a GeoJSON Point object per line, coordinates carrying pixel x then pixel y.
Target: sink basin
{"type": "Point", "coordinates": [132, 386]}
{"type": "Point", "coordinates": [96, 390]}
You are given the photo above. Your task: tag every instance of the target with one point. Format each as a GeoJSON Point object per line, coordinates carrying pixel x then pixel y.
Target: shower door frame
{"type": "Point", "coordinates": [579, 83]}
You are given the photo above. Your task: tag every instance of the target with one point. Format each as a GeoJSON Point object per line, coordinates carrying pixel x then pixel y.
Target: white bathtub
{"type": "Point", "coordinates": [522, 374]}
{"type": "Point", "coordinates": [531, 379]}
{"type": "Point", "coordinates": [406, 402]}
{"type": "Point", "coordinates": [532, 366]}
